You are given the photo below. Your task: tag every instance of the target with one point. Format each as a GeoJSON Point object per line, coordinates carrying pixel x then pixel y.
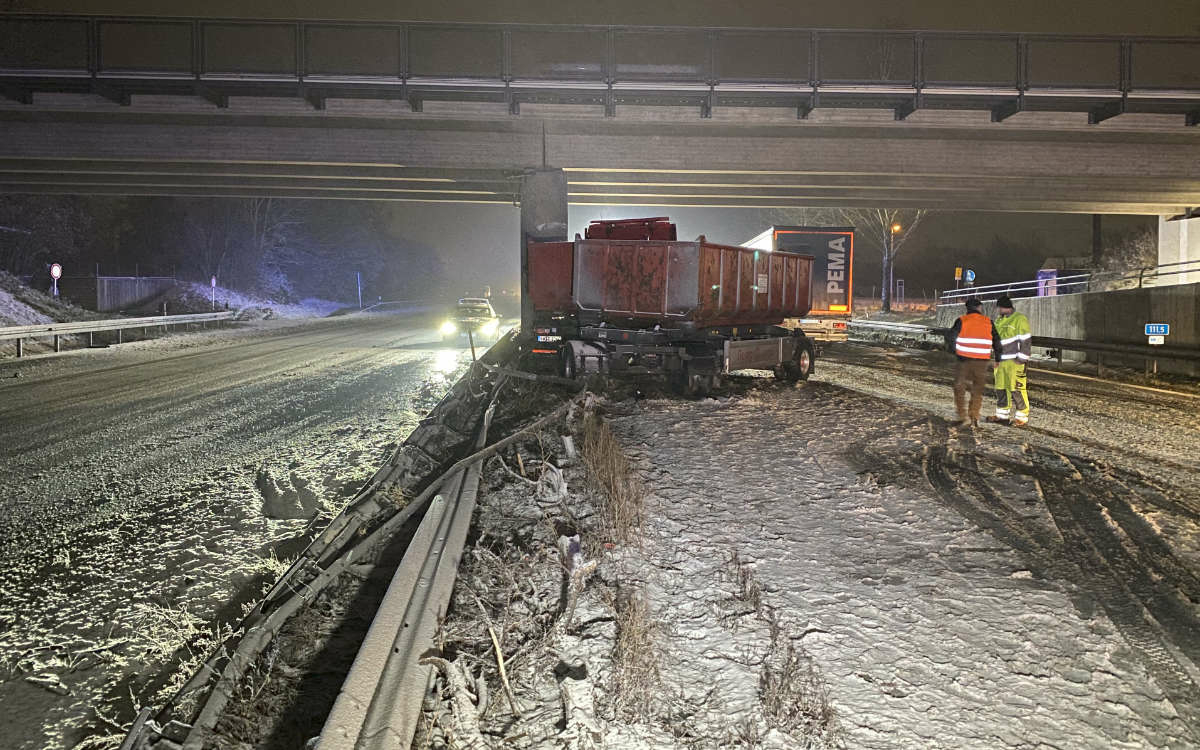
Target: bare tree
{"type": "Point", "coordinates": [872, 226]}
{"type": "Point", "coordinates": [887, 229]}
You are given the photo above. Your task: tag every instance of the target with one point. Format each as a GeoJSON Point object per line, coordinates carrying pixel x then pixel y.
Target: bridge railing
{"type": "Point", "coordinates": [472, 58]}
{"type": "Point", "coordinates": [1099, 281]}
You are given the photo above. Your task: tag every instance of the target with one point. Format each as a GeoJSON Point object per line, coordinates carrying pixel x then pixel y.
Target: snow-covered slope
{"type": "Point", "coordinates": [14, 312]}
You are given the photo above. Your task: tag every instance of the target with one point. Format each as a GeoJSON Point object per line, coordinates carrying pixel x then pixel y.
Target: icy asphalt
{"type": "Point", "coordinates": [128, 503]}
{"type": "Point", "coordinates": [998, 589]}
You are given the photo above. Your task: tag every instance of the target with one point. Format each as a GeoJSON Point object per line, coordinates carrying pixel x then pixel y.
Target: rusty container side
{"type": "Point", "coordinates": [741, 286]}
{"type": "Point", "coordinates": [551, 266]}
{"type": "Point", "coordinates": [625, 282]}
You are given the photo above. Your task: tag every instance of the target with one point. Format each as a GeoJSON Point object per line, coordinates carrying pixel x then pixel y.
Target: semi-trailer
{"type": "Point", "coordinates": [832, 249]}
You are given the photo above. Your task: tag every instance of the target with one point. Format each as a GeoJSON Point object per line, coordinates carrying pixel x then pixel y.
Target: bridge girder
{"type": "Point", "coordinates": [664, 162]}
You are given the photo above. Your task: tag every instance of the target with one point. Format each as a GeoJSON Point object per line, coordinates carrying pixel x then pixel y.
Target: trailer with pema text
{"type": "Point", "coordinates": [628, 297]}
{"type": "Point", "coordinates": [832, 249]}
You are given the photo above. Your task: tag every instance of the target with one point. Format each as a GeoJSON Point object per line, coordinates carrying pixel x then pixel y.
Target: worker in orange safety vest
{"type": "Point", "coordinates": [975, 341]}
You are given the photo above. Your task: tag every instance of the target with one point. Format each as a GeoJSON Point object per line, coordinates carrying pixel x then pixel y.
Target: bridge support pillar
{"type": "Point", "coordinates": [543, 219]}
{"type": "Point", "coordinates": [1179, 242]}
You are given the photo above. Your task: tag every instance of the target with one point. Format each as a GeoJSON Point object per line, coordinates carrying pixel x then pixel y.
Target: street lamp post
{"type": "Point", "coordinates": [889, 274]}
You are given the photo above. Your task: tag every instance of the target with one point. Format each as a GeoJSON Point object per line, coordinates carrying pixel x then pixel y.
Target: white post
{"type": "Point", "coordinates": [358, 276]}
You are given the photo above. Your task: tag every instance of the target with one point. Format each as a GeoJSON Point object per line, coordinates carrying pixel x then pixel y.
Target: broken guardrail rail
{"type": "Point", "coordinates": [423, 463]}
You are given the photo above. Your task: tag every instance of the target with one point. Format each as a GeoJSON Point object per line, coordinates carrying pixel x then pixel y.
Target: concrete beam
{"type": "Point", "coordinates": [1087, 169]}
{"type": "Point", "coordinates": [543, 219]}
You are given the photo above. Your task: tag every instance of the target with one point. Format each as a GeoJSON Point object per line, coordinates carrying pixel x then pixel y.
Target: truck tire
{"type": "Point", "coordinates": [569, 367]}
{"type": "Point", "coordinates": [805, 360]}
{"type": "Point", "coordinates": [800, 366]}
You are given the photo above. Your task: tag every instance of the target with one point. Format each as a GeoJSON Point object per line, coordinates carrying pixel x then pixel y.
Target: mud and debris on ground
{"type": "Point", "coordinates": [578, 623]}
{"type": "Point", "coordinates": [822, 565]}
{"type": "Point", "coordinates": [917, 586]}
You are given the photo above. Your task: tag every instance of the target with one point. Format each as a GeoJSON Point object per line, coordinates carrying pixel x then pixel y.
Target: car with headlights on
{"type": "Point", "coordinates": [474, 315]}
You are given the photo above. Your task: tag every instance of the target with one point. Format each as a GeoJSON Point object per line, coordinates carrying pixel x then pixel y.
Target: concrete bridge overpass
{"type": "Point", "coordinates": [648, 116]}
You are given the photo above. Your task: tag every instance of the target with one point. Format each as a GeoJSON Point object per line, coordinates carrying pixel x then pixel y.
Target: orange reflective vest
{"type": "Point", "coordinates": [974, 336]}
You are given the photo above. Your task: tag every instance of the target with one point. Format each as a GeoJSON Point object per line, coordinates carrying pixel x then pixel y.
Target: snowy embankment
{"type": "Point", "coordinates": [196, 295]}
{"type": "Point", "coordinates": [13, 310]}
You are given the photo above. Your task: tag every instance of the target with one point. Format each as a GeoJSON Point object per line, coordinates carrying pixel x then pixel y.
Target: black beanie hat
{"type": "Point", "coordinates": [974, 304]}
{"type": "Point", "coordinates": [1004, 301]}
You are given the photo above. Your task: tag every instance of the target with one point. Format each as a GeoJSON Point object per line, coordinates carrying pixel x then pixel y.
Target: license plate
{"type": "Point", "coordinates": [549, 338]}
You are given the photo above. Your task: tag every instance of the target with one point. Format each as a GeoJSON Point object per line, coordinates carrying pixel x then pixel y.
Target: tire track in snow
{"type": "Point", "coordinates": [1143, 619]}
{"type": "Point", "coordinates": [1147, 592]}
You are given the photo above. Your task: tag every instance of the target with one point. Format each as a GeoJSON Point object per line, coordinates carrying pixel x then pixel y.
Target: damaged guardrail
{"type": "Point", "coordinates": [90, 327]}
{"type": "Point", "coordinates": [419, 469]}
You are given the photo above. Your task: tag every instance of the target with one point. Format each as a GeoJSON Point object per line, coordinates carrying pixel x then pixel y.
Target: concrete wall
{"type": "Point", "coordinates": [1179, 242]}
{"type": "Point", "coordinates": [1117, 317]}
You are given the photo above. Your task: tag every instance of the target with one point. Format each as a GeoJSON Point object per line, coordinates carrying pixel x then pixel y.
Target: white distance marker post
{"type": "Point", "coordinates": [55, 275]}
{"type": "Point", "coordinates": [214, 293]}
{"type": "Point", "coordinates": [1156, 333]}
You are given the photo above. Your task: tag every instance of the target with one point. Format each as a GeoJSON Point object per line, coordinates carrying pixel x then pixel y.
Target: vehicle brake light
{"type": "Point", "coordinates": [544, 351]}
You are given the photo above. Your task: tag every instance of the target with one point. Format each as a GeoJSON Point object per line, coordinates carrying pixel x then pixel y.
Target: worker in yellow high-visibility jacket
{"type": "Point", "coordinates": [1016, 344]}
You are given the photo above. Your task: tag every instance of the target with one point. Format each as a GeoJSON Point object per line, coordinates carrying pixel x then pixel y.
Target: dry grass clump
{"type": "Point", "coordinates": [620, 490]}
{"type": "Point", "coordinates": [636, 675]}
{"type": "Point", "coordinates": [794, 696]}
{"type": "Point", "coordinates": [747, 588]}
{"type": "Point", "coordinates": [166, 633]}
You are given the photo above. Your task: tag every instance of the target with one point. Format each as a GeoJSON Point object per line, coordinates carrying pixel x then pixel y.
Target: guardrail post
{"type": "Point", "coordinates": [57, 343]}
{"type": "Point", "coordinates": [91, 339]}
{"type": "Point", "coordinates": [20, 347]}
{"type": "Point", "coordinates": [120, 335]}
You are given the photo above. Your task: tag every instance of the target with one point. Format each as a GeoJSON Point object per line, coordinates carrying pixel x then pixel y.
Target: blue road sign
{"type": "Point", "coordinates": [970, 275]}
{"type": "Point", "coordinates": [1158, 329]}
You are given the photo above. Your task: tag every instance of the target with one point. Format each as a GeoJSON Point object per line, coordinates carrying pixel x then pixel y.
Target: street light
{"type": "Point", "coordinates": [891, 259]}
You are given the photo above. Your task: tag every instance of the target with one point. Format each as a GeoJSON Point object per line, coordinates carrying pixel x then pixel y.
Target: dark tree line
{"type": "Point", "coordinates": [285, 249]}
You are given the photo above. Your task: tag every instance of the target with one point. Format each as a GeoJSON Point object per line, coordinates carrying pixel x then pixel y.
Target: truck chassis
{"type": "Point", "coordinates": [693, 362]}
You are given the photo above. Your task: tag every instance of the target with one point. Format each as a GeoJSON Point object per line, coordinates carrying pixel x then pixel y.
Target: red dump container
{"type": "Point", "coordinates": [640, 284]}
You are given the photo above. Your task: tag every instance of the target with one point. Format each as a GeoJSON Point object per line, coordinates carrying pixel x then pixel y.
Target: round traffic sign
{"type": "Point", "coordinates": [970, 275]}
{"type": "Point", "coordinates": [214, 282]}
{"type": "Point", "coordinates": [55, 271]}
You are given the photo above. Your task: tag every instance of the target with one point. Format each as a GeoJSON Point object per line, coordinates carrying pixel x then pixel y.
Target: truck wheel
{"type": "Point", "coordinates": [697, 381]}
{"type": "Point", "coordinates": [805, 360]}
{"type": "Point", "coordinates": [569, 369]}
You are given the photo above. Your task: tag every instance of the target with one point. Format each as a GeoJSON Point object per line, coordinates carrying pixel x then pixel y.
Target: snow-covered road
{"type": "Point", "coordinates": [1004, 589]}
{"type": "Point", "coordinates": [131, 501]}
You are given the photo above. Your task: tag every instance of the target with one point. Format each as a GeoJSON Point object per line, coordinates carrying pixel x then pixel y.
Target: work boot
{"type": "Point", "coordinates": [999, 420]}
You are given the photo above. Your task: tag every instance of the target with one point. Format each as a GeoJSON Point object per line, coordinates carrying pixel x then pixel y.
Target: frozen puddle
{"type": "Point", "coordinates": [931, 631]}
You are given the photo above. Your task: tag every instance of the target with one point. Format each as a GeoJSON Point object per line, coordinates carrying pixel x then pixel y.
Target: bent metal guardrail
{"type": "Point", "coordinates": [117, 57]}
{"type": "Point", "coordinates": [57, 330]}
